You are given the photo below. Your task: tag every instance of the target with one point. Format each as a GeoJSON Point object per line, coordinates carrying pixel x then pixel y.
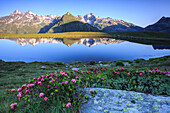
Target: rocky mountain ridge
{"type": "Point", "coordinates": [24, 23]}
{"type": "Point", "coordinates": [162, 25]}
{"type": "Point", "coordinates": [29, 23]}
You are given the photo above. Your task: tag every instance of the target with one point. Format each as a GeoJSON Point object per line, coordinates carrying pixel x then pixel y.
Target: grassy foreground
{"type": "Point", "coordinates": [55, 87]}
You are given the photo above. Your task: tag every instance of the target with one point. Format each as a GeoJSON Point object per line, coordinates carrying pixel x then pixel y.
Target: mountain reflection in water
{"type": "Point", "coordinates": [86, 41]}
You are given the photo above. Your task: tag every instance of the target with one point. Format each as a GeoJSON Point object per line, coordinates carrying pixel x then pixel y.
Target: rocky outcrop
{"type": "Point", "coordinates": [119, 101]}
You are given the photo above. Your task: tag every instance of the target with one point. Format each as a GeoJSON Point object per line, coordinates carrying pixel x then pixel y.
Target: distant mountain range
{"type": "Point", "coordinates": [86, 41]}
{"type": "Point", "coordinates": [28, 23]}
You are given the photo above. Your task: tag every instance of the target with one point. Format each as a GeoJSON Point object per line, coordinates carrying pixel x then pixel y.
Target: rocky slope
{"type": "Point", "coordinates": [109, 24]}
{"type": "Point", "coordinates": [23, 23]}
{"type": "Point", "coordinates": [163, 25]}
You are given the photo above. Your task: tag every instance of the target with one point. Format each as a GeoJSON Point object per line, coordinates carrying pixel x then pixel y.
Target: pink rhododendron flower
{"type": "Point", "coordinates": [35, 82]}
{"type": "Point", "coordinates": [45, 98]}
{"type": "Point", "coordinates": [73, 80]}
{"type": "Point", "coordinates": [87, 72]}
{"type": "Point", "coordinates": [168, 75]}
{"type": "Point", "coordinates": [25, 85]}
{"type": "Point", "coordinates": [99, 77]}
{"type": "Point", "coordinates": [62, 82]}
{"type": "Point", "coordinates": [12, 89]}
{"type": "Point", "coordinates": [102, 79]}
{"type": "Point", "coordinates": [50, 77]}
{"type": "Point", "coordinates": [55, 72]}
{"type": "Point", "coordinates": [27, 91]}
{"type": "Point", "coordinates": [39, 83]}
{"type": "Point", "coordinates": [136, 71]}
{"type": "Point", "coordinates": [39, 78]}
{"type": "Point", "coordinates": [115, 72]}
{"type": "Point", "coordinates": [56, 75]}
{"type": "Point", "coordinates": [48, 86]}
{"type": "Point", "coordinates": [81, 72]}
{"type": "Point", "coordinates": [129, 73]}
{"type": "Point", "coordinates": [33, 78]}
{"type": "Point", "coordinates": [77, 77]}
{"type": "Point", "coordinates": [150, 71]}
{"type": "Point", "coordinates": [156, 68]}
{"type": "Point", "coordinates": [19, 96]}
{"type": "Point", "coordinates": [66, 82]}
{"type": "Point", "coordinates": [52, 81]}
{"type": "Point", "coordinates": [20, 92]}
{"type": "Point", "coordinates": [42, 79]}
{"type": "Point", "coordinates": [56, 86]}
{"type": "Point", "coordinates": [41, 94]}
{"type": "Point", "coordinates": [13, 105]}
{"type": "Point", "coordinates": [118, 73]}
{"type": "Point", "coordinates": [123, 68]}
{"type": "Point", "coordinates": [68, 105]}
{"type": "Point", "coordinates": [19, 89]}
{"type": "Point", "coordinates": [140, 73]}
{"type": "Point", "coordinates": [164, 73]}
{"type": "Point", "coordinates": [6, 90]}
{"type": "Point", "coordinates": [76, 70]}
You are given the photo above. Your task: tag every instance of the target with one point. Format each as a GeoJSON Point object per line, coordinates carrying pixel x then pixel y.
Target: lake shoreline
{"type": "Point", "coordinates": [141, 35]}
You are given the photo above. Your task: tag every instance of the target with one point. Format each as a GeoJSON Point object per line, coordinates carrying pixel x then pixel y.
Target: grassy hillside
{"type": "Point", "coordinates": [69, 23]}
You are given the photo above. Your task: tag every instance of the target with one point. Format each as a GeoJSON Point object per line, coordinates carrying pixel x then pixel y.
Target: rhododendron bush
{"type": "Point", "coordinates": [63, 91]}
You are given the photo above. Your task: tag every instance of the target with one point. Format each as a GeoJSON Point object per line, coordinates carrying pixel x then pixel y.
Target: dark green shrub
{"type": "Point", "coordinates": [92, 62]}
{"type": "Point", "coordinates": [119, 63]}
{"type": "Point", "coordinates": [137, 60]}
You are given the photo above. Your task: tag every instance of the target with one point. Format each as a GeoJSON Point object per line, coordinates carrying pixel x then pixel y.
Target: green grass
{"type": "Point", "coordinates": [59, 35]}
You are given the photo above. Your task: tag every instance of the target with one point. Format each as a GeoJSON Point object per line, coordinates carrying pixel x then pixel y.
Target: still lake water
{"type": "Point", "coordinates": [71, 50]}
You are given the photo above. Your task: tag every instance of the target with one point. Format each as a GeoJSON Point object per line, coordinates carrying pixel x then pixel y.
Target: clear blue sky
{"type": "Point", "coordinates": [139, 12]}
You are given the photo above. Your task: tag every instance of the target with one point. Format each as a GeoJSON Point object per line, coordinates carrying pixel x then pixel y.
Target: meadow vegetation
{"type": "Point", "coordinates": [56, 87]}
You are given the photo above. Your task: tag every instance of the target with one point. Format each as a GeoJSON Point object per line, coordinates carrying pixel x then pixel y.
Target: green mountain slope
{"type": "Point", "coordinates": [69, 23]}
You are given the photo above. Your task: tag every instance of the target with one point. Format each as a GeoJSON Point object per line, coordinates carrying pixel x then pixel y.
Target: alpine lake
{"type": "Point", "coordinates": [74, 50]}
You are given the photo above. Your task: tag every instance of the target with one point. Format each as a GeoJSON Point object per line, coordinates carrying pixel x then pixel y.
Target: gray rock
{"type": "Point", "coordinates": [75, 68]}
{"type": "Point", "coordinates": [117, 101]}
{"type": "Point", "coordinates": [43, 67]}
{"type": "Point", "coordinates": [126, 64]}
{"type": "Point", "coordinates": [106, 65]}
{"type": "Point", "coordinates": [2, 71]}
